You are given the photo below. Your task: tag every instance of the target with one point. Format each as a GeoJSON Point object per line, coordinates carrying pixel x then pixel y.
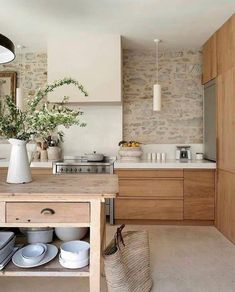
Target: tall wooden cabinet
{"type": "Point", "coordinates": [224, 54]}
{"type": "Point", "coordinates": [225, 46]}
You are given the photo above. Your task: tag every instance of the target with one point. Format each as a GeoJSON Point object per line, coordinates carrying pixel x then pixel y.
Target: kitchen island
{"type": "Point", "coordinates": [59, 200]}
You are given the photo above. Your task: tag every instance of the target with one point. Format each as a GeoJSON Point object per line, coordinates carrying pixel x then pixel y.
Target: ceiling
{"type": "Point", "coordinates": [179, 23]}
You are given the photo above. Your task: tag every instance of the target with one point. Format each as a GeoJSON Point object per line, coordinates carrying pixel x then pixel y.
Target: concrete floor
{"type": "Point", "coordinates": [183, 259]}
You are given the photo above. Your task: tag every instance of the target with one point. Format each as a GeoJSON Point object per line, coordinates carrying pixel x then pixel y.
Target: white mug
{"type": "Point", "coordinates": [158, 156]}
{"type": "Point", "coordinates": [163, 156]}
{"type": "Point", "coordinates": [154, 156]}
{"type": "Point", "coordinates": [149, 156]}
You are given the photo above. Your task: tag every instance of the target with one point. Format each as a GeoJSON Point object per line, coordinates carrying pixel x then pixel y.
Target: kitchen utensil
{"type": "Point", "coordinates": [43, 236]}
{"type": "Point", "coordinates": [73, 264]}
{"type": "Point", "coordinates": [70, 233]}
{"type": "Point", "coordinates": [94, 156]}
{"type": "Point", "coordinates": [7, 246]}
{"type": "Point", "coordinates": [76, 250]}
{"type": "Point", "coordinates": [33, 253]}
{"type": "Point", "coordinates": [19, 261]}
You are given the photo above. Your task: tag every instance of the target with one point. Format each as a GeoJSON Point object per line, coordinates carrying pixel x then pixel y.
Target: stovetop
{"type": "Point", "coordinates": [82, 160]}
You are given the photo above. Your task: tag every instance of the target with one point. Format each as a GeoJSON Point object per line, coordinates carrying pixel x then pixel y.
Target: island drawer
{"type": "Point", "coordinates": [47, 212]}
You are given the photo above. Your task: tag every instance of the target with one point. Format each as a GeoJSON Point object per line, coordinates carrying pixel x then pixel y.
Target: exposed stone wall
{"type": "Point", "coordinates": [34, 70]}
{"type": "Point", "coordinates": [181, 117]}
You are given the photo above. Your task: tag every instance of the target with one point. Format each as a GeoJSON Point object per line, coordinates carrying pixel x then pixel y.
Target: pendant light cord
{"type": "Point", "coordinates": [157, 58]}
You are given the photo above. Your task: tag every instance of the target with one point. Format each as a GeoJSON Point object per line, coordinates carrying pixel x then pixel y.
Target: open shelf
{"type": "Point", "coordinates": [51, 269]}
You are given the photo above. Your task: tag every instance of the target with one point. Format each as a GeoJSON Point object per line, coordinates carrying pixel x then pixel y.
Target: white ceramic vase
{"type": "Point", "coordinates": [19, 168]}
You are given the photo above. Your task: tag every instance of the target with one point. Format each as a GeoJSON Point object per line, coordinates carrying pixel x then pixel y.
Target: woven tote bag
{"type": "Point", "coordinates": [127, 262]}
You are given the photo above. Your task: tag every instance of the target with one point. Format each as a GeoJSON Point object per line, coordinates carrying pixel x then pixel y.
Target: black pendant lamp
{"type": "Point", "coordinates": [7, 50]}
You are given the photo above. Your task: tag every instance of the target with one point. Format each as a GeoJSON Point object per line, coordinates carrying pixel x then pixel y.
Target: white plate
{"type": "Point", "coordinates": [51, 253]}
{"type": "Point", "coordinates": [73, 264]}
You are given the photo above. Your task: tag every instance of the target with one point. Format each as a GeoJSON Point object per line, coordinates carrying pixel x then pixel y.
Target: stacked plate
{"type": "Point", "coordinates": [74, 254]}
{"type": "Point", "coordinates": [34, 255]}
{"type": "Point", "coordinates": [7, 241]}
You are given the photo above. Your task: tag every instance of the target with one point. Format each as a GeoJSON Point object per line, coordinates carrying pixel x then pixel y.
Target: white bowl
{"type": "Point", "coordinates": [76, 250]}
{"type": "Point", "coordinates": [70, 233]}
{"type": "Point", "coordinates": [73, 264]}
{"type": "Point", "coordinates": [33, 253]}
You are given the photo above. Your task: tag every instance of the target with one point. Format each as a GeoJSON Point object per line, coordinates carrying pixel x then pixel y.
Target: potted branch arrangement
{"type": "Point", "coordinates": [38, 121]}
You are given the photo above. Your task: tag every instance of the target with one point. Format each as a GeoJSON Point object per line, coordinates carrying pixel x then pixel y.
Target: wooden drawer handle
{"type": "Point", "coordinates": [47, 211]}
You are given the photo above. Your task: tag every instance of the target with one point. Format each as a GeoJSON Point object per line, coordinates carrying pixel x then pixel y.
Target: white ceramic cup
{"type": "Point", "coordinates": [158, 156]}
{"type": "Point", "coordinates": [149, 156]}
{"type": "Point", "coordinates": [154, 156]}
{"type": "Point", "coordinates": [163, 155]}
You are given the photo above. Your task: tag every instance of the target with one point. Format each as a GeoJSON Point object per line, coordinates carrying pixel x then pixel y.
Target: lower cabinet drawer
{"type": "Point", "coordinates": [48, 212]}
{"type": "Point", "coordinates": [148, 209]}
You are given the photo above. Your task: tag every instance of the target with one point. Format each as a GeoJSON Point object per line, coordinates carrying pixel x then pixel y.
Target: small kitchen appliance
{"type": "Point", "coordinates": [183, 153]}
{"type": "Point", "coordinates": [81, 164]}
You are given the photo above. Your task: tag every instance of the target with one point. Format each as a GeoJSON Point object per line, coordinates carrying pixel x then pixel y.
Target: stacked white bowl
{"type": "Point", "coordinates": [33, 253]}
{"type": "Point", "coordinates": [74, 254]}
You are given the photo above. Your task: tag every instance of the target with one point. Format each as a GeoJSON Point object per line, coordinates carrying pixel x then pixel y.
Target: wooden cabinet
{"type": "Point", "coordinates": [209, 60]}
{"type": "Point", "coordinates": [199, 194]}
{"type": "Point", "coordinates": [225, 218]}
{"type": "Point", "coordinates": [150, 194]}
{"type": "Point", "coordinates": [174, 194]}
{"type": "Point", "coordinates": [226, 120]}
{"type": "Point", "coordinates": [94, 60]}
{"type": "Point", "coordinates": [225, 46]}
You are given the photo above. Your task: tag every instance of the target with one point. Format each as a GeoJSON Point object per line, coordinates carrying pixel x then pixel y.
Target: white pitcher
{"type": "Point", "coordinates": [19, 168]}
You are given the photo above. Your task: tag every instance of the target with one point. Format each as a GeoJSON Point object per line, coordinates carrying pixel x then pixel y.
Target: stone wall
{"type": "Point", "coordinates": [181, 117]}
{"type": "Point", "coordinates": [34, 70]}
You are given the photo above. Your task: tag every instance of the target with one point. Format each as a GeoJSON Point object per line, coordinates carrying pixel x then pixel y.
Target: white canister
{"type": "Point", "coordinates": [163, 155]}
{"type": "Point", "coordinates": [54, 153]}
{"type": "Point", "coordinates": [149, 156]}
{"type": "Point", "coordinates": [154, 156]}
{"type": "Point", "coordinates": [199, 156]}
{"type": "Point", "coordinates": [158, 156]}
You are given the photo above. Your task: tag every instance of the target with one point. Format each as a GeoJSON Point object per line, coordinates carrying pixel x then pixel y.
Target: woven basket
{"type": "Point", "coordinates": [127, 262]}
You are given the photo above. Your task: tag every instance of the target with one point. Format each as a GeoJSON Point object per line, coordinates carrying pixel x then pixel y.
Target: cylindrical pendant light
{"type": "Point", "coordinates": [157, 100]}
{"type": "Point", "coordinates": [7, 50]}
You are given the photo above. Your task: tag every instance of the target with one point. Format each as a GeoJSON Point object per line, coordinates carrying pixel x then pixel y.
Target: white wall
{"type": "Point", "coordinates": [102, 133]}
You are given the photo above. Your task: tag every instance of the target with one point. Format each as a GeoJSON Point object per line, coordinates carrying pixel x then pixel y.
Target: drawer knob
{"type": "Point", "coordinates": [47, 211]}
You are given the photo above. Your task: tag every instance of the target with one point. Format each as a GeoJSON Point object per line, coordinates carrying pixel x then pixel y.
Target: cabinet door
{"type": "Point", "coordinates": [225, 218]}
{"type": "Point", "coordinates": [199, 194]}
{"type": "Point", "coordinates": [226, 120]}
{"type": "Point", "coordinates": [209, 61]}
{"type": "Point", "coordinates": [225, 46]}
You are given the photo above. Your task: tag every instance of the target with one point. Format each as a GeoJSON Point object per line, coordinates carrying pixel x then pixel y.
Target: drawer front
{"type": "Point", "coordinates": [149, 209]}
{"type": "Point", "coordinates": [149, 173]}
{"type": "Point", "coordinates": [171, 188]}
{"type": "Point", "coordinates": [48, 212]}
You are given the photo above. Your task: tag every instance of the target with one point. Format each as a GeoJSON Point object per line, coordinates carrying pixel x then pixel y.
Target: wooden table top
{"type": "Point", "coordinates": [83, 185]}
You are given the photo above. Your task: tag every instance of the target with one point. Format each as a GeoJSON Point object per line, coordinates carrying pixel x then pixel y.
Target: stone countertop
{"type": "Point", "coordinates": [34, 164]}
{"type": "Point", "coordinates": [145, 164]}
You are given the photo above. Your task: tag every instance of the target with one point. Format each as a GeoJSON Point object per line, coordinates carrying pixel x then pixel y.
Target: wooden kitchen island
{"type": "Point", "coordinates": [59, 200]}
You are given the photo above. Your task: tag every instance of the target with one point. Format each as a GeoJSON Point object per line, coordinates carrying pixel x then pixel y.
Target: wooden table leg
{"type": "Point", "coordinates": [95, 246]}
